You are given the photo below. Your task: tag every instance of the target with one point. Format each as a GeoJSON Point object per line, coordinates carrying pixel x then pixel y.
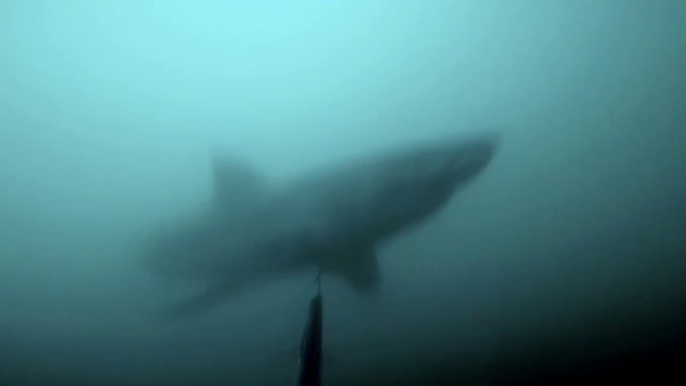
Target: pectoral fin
{"type": "Point", "coordinates": [360, 269]}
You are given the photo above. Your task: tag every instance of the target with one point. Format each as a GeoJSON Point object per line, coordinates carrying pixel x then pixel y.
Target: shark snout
{"type": "Point", "coordinates": [473, 156]}
{"type": "Point", "coordinates": [483, 148]}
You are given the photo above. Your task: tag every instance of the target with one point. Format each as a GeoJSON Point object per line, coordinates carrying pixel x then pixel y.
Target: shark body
{"type": "Point", "coordinates": [333, 221]}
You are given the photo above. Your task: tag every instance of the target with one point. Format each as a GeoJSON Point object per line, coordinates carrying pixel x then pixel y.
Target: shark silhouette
{"type": "Point", "coordinates": [333, 221]}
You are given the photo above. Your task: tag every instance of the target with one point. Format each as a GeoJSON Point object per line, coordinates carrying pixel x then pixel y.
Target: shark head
{"type": "Point", "coordinates": [419, 182]}
{"type": "Point", "coordinates": [448, 166]}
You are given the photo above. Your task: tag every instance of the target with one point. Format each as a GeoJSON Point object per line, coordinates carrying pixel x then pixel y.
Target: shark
{"type": "Point", "coordinates": [334, 220]}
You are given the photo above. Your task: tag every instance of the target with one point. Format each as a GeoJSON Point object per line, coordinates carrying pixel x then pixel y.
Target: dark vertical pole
{"type": "Point", "coordinates": [310, 372]}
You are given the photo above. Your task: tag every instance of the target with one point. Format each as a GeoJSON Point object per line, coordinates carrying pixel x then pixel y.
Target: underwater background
{"type": "Point", "coordinates": [566, 258]}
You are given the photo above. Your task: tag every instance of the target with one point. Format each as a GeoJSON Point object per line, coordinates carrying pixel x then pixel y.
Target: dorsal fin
{"type": "Point", "coordinates": [236, 183]}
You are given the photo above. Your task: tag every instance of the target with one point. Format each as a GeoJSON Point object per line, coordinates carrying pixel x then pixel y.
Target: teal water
{"type": "Point", "coordinates": [109, 112]}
